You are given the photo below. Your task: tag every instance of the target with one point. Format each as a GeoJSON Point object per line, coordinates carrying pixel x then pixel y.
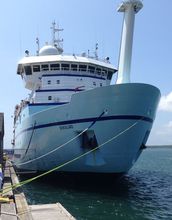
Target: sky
{"type": "Point", "coordinates": [85, 23]}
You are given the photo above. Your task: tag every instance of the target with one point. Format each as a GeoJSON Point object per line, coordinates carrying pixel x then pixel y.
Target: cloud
{"type": "Point", "coordinates": [166, 103]}
{"type": "Point", "coordinates": [165, 129]}
{"type": "Point", "coordinates": [169, 125]}
{"type": "Point", "coordinates": [161, 134]}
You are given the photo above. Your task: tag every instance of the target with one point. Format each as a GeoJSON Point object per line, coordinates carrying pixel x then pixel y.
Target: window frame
{"type": "Point", "coordinates": [83, 67]}
{"type": "Point", "coordinates": [56, 66]}
{"type": "Point", "coordinates": [49, 82]}
{"type": "Point", "coordinates": [43, 68]}
{"type": "Point", "coordinates": [65, 66]}
{"type": "Point", "coordinates": [26, 70]}
{"type": "Point", "coordinates": [74, 68]}
{"type": "Point", "coordinates": [37, 68]}
{"type": "Point", "coordinates": [57, 81]}
{"type": "Point", "coordinates": [92, 69]}
{"type": "Point", "coordinates": [49, 97]}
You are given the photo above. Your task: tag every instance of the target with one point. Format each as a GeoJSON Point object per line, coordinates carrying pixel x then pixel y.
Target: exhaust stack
{"type": "Point", "coordinates": [130, 8]}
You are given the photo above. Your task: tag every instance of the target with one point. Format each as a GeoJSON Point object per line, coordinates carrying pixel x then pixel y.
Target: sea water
{"type": "Point", "coordinates": [145, 193]}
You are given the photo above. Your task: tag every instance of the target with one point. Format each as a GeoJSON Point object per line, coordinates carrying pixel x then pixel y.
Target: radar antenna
{"type": "Point", "coordinates": [56, 42]}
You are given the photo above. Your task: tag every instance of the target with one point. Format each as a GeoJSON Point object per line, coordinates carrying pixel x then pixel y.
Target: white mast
{"type": "Point", "coordinates": [56, 42]}
{"type": "Point", "coordinates": [130, 8]}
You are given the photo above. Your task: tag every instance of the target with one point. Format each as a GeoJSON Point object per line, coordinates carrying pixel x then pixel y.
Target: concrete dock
{"type": "Point", "coordinates": [50, 211]}
{"type": "Point", "coordinates": [17, 207]}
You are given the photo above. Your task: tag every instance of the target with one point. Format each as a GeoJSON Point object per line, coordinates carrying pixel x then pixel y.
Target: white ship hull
{"type": "Point", "coordinates": [121, 115]}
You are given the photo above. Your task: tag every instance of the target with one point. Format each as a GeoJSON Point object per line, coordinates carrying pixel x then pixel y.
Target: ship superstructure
{"type": "Point", "coordinates": [53, 77]}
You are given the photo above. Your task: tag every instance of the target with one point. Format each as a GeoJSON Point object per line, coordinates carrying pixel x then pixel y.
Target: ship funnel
{"type": "Point", "coordinates": [130, 8]}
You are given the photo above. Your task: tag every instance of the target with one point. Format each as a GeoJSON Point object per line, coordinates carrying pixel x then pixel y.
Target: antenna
{"type": "Point", "coordinates": [96, 51]}
{"type": "Point", "coordinates": [56, 42]}
{"type": "Point", "coordinates": [37, 42]}
{"type": "Point", "coordinates": [88, 52]}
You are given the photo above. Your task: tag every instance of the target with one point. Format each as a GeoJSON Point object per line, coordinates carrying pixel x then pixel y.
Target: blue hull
{"type": "Point", "coordinates": [118, 119]}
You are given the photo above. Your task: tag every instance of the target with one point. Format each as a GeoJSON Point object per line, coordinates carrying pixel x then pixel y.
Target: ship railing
{"type": "Point", "coordinates": [106, 59]}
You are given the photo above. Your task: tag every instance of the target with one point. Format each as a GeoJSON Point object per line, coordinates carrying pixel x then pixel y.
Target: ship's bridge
{"type": "Point", "coordinates": [48, 75]}
{"type": "Point", "coordinates": [33, 68]}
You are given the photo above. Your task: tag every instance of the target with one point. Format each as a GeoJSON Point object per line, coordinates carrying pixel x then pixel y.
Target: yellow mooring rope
{"type": "Point", "coordinates": [15, 186]}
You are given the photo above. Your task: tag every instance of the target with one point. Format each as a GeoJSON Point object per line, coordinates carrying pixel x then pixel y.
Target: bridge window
{"type": "Point", "coordinates": [83, 68]}
{"type": "Point", "coordinates": [20, 69]}
{"type": "Point", "coordinates": [55, 66]}
{"type": "Point", "coordinates": [65, 66]}
{"type": "Point", "coordinates": [91, 69]}
{"type": "Point", "coordinates": [44, 67]}
{"type": "Point", "coordinates": [28, 70]}
{"type": "Point", "coordinates": [110, 73]}
{"type": "Point", "coordinates": [104, 72]}
{"type": "Point", "coordinates": [98, 70]}
{"type": "Point", "coordinates": [36, 68]}
{"type": "Point", "coordinates": [74, 67]}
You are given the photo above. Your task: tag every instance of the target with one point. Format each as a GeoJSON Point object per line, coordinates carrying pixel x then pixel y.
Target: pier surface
{"type": "Point", "coordinates": [50, 211]}
{"type": "Point", "coordinates": [17, 207]}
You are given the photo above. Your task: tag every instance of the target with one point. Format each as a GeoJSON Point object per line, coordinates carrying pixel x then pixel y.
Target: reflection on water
{"type": "Point", "coordinates": [144, 193]}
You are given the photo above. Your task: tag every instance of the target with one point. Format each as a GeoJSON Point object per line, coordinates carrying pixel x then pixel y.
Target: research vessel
{"type": "Point", "coordinates": [75, 119]}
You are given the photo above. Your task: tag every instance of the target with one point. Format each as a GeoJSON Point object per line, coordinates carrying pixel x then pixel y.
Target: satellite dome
{"type": "Point", "coordinates": [50, 50]}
